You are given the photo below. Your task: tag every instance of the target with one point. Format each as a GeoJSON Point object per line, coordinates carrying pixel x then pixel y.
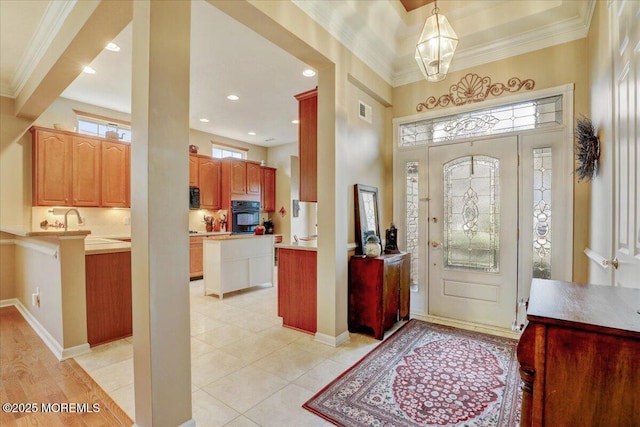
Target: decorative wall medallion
{"type": "Point", "coordinates": [473, 88]}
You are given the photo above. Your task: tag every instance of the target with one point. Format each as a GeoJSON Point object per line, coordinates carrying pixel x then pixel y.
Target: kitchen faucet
{"type": "Point", "coordinates": [67, 213]}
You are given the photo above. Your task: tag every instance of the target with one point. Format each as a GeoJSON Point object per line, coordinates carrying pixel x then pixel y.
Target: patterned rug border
{"type": "Point", "coordinates": [390, 341]}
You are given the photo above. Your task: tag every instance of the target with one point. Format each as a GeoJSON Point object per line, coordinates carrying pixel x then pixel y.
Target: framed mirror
{"type": "Point", "coordinates": [367, 218]}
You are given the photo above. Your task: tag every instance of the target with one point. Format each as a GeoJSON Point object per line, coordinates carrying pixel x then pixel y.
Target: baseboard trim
{"type": "Point", "coordinates": [332, 341]}
{"type": "Point", "coordinates": [9, 302]}
{"type": "Point", "coordinates": [507, 333]}
{"type": "Point", "coordinates": [58, 351]}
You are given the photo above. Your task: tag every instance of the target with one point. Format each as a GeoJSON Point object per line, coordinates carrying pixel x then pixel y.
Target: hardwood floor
{"type": "Point", "coordinates": [30, 374]}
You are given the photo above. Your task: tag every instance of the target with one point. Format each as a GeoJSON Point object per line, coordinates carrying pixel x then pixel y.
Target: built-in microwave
{"type": "Point", "coordinates": [245, 216]}
{"type": "Point", "coordinates": [194, 198]}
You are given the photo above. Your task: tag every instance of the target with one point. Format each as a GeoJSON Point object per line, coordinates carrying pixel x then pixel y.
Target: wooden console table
{"type": "Point", "coordinates": [579, 356]}
{"type": "Point", "coordinates": [379, 292]}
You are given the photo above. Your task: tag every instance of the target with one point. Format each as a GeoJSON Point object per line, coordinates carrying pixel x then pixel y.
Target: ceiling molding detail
{"type": "Point", "coordinates": [544, 37]}
{"type": "Point", "coordinates": [50, 24]}
{"type": "Point", "coordinates": [381, 54]}
{"type": "Point", "coordinates": [355, 34]}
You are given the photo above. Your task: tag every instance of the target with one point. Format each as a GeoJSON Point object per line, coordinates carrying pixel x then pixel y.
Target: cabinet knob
{"type": "Point", "coordinates": [435, 244]}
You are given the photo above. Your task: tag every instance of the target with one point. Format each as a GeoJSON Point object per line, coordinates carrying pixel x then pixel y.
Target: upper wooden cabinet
{"type": "Point", "coordinates": [238, 176]}
{"type": "Point", "coordinates": [240, 179]}
{"type": "Point", "coordinates": [209, 182]}
{"type": "Point", "coordinates": [308, 144]}
{"type": "Point", "coordinates": [254, 176]}
{"type": "Point", "coordinates": [71, 169]}
{"type": "Point", "coordinates": [193, 170]}
{"type": "Point", "coordinates": [51, 168]}
{"type": "Point", "coordinates": [268, 191]}
{"type": "Point", "coordinates": [86, 154]}
{"type": "Point", "coordinates": [116, 172]}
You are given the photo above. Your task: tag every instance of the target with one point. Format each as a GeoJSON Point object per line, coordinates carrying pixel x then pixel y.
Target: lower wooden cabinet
{"type": "Point", "coordinates": [109, 304]}
{"type": "Point", "coordinates": [579, 354]}
{"type": "Point", "coordinates": [297, 289]}
{"type": "Point", "coordinates": [195, 256]}
{"type": "Point", "coordinates": [379, 293]}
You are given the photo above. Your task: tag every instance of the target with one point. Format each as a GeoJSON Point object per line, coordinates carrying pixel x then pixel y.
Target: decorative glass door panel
{"type": "Point", "coordinates": [473, 228]}
{"type": "Point", "coordinates": [471, 214]}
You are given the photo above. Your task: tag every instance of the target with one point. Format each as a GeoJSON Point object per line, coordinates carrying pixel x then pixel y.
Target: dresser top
{"type": "Point", "coordinates": [605, 309]}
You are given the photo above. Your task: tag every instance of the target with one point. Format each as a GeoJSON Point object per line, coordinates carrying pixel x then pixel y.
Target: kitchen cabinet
{"type": "Point", "coordinates": [195, 256]}
{"type": "Point", "coordinates": [209, 182]}
{"type": "Point", "coordinates": [86, 154]}
{"type": "Point", "coordinates": [193, 170]}
{"type": "Point", "coordinates": [70, 169]}
{"type": "Point", "coordinates": [268, 189]}
{"type": "Point", "coordinates": [254, 175]}
{"type": "Point", "coordinates": [51, 168]}
{"type": "Point", "coordinates": [378, 292]}
{"type": "Point", "coordinates": [297, 289]}
{"type": "Point", "coordinates": [233, 264]}
{"type": "Point", "coordinates": [308, 144]}
{"type": "Point", "coordinates": [116, 172]}
{"type": "Point", "coordinates": [578, 355]}
{"type": "Point", "coordinates": [238, 176]}
{"type": "Point", "coordinates": [108, 297]}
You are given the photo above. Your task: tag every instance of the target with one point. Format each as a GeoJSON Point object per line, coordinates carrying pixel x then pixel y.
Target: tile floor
{"type": "Point", "coordinates": [246, 369]}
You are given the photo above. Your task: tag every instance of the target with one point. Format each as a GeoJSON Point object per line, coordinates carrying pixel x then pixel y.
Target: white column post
{"type": "Point", "coordinates": [159, 213]}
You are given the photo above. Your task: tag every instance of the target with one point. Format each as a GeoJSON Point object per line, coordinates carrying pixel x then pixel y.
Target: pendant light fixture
{"type": "Point", "coordinates": [436, 46]}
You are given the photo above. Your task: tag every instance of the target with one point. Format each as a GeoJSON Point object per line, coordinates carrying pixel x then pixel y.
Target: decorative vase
{"type": "Point", "coordinates": [209, 227]}
{"type": "Point", "coordinates": [372, 248]}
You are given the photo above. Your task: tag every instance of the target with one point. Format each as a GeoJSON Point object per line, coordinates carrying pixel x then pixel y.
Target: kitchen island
{"type": "Point", "coordinates": [237, 262]}
{"type": "Point", "coordinates": [297, 285]}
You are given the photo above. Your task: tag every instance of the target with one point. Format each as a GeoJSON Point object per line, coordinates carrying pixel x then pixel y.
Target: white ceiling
{"type": "Point", "coordinates": [227, 57]}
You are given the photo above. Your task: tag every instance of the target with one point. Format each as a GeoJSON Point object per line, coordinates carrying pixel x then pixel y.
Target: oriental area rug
{"type": "Point", "coordinates": [427, 375]}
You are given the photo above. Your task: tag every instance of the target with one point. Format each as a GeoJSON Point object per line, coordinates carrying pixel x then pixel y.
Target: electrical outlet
{"type": "Point", "coordinates": [35, 298]}
{"type": "Point", "coordinates": [126, 220]}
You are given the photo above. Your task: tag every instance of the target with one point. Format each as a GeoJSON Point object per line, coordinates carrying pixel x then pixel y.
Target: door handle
{"type": "Point", "coordinates": [435, 244]}
{"type": "Point", "coordinates": [613, 262]}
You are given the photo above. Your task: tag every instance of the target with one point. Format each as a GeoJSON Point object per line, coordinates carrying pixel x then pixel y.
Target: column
{"type": "Point", "coordinates": [159, 213]}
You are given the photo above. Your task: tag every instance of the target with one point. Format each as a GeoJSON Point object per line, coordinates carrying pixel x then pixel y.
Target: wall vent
{"type": "Point", "coordinates": [365, 112]}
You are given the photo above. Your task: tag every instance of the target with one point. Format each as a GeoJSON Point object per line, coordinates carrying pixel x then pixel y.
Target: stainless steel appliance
{"type": "Point", "coordinates": [245, 216]}
{"type": "Point", "coordinates": [194, 198]}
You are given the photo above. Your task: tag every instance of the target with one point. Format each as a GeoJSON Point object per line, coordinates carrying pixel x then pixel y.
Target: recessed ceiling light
{"type": "Point", "coordinates": [203, 120]}
{"type": "Point", "coordinates": [308, 73]}
{"type": "Point", "coordinates": [233, 97]}
{"type": "Point", "coordinates": [88, 70]}
{"type": "Point", "coordinates": [295, 121]}
{"type": "Point", "coordinates": [113, 47]}
{"type": "Point", "coordinates": [252, 133]}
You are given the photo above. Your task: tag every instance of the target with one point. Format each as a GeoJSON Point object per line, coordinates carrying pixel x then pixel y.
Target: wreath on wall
{"type": "Point", "coordinates": [587, 149]}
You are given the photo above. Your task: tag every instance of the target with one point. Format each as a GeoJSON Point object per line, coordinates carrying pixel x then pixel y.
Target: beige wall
{"type": "Point", "coordinates": [7, 267]}
{"type": "Point", "coordinates": [551, 67]}
{"type": "Point", "coordinates": [600, 75]}
{"type": "Point", "coordinates": [15, 166]}
{"type": "Point", "coordinates": [369, 157]}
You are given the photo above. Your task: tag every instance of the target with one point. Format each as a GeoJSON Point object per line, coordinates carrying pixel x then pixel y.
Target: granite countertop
{"type": "Point", "coordinates": [24, 231]}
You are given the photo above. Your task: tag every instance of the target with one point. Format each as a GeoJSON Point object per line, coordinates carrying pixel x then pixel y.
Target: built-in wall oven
{"type": "Point", "coordinates": [245, 216]}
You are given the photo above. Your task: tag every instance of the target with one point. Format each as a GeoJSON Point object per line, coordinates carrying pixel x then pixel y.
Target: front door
{"type": "Point", "coordinates": [473, 251]}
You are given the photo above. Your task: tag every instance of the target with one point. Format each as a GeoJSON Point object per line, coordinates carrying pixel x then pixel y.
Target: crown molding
{"type": "Point", "coordinates": [360, 38]}
{"type": "Point", "coordinates": [50, 24]}
{"type": "Point", "coordinates": [557, 33]}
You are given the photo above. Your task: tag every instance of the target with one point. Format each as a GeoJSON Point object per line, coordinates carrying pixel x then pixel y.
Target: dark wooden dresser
{"type": "Point", "coordinates": [580, 356]}
{"type": "Point", "coordinates": [378, 292]}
